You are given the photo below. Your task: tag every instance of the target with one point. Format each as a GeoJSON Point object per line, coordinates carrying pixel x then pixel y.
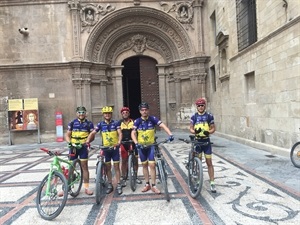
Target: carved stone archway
{"type": "Point", "coordinates": [135, 31]}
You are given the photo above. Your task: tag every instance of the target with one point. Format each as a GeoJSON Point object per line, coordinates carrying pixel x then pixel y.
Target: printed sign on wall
{"type": "Point", "coordinates": [23, 114]}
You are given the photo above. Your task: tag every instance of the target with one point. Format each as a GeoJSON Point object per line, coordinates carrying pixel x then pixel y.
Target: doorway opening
{"type": "Point", "coordinates": [140, 84]}
{"type": "Point", "coordinates": [131, 85]}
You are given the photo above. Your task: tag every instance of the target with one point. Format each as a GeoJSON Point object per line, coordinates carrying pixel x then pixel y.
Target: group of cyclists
{"type": "Point", "coordinates": [141, 132]}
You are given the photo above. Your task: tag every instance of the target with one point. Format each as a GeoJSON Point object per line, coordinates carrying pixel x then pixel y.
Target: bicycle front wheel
{"type": "Point", "coordinates": [195, 177]}
{"type": "Point", "coordinates": [132, 173]}
{"type": "Point", "coordinates": [75, 178]}
{"type": "Point", "coordinates": [163, 179]}
{"type": "Point", "coordinates": [295, 154]}
{"type": "Point", "coordinates": [52, 195]}
{"type": "Point", "coordinates": [100, 181]}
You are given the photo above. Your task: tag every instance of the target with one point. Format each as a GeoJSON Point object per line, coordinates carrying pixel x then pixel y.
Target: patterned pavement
{"type": "Point", "coordinates": [253, 187]}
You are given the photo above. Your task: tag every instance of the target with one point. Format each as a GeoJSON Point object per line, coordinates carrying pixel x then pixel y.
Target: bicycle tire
{"type": "Point", "coordinates": [49, 207]}
{"type": "Point", "coordinates": [295, 154]}
{"type": "Point", "coordinates": [132, 173]}
{"type": "Point", "coordinates": [163, 179]}
{"type": "Point", "coordinates": [195, 177]}
{"type": "Point", "coordinates": [100, 182]}
{"type": "Point", "coordinates": [75, 178]}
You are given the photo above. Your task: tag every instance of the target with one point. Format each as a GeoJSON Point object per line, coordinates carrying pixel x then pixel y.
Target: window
{"type": "Point", "coordinates": [246, 23]}
{"type": "Point", "coordinates": [214, 25]}
{"type": "Point", "coordinates": [250, 87]}
{"type": "Point", "coordinates": [213, 78]}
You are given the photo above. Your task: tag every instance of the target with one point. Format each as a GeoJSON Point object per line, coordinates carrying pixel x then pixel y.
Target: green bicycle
{"type": "Point", "coordinates": [52, 193]}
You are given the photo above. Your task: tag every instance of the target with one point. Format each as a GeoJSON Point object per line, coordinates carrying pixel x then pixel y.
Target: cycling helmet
{"type": "Point", "coordinates": [125, 109]}
{"type": "Point", "coordinates": [80, 108]}
{"type": "Point", "coordinates": [143, 105]}
{"type": "Point", "coordinates": [200, 101]}
{"type": "Point", "coordinates": [107, 109]}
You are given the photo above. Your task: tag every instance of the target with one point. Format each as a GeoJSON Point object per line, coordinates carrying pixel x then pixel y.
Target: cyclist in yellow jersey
{"type": "Point", "coordinates": [77, 133]}
{"type": "Point", "coordinates": [202, 125]}
{"type": "Point", "coordinates": [143, 133]}
{"type": "Point", "coordinates": [111, 137]}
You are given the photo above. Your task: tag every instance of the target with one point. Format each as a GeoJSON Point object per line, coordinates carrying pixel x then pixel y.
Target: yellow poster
{"type": "Point", "coordinates": [30, 103]}
{"type": "Point", "coordinates": [15, 104]}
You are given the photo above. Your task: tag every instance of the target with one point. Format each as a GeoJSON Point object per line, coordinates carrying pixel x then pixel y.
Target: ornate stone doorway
{"type": "Point", "coordinates": [140, 83]}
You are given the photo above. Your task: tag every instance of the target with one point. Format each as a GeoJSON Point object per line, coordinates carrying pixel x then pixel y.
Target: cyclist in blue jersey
{"type": "Point", "coordinates": [77, 133]}
{"type": "Point", "coordinates": [202, 125]}
{"type": "Point", "coordinates": [111, 137]}
{"type": "Point", "coordinates": [143, 133]}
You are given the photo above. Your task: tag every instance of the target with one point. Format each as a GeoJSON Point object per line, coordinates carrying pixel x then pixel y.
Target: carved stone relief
{"type": "Point", "coordinates": [90, 15]}
{"type": "Point", "coordinates": [138, 43]}
{"type": "Point", "coordinates": [184, 12]}
{"type": "Point", "coordinates": [145, 42]}
{"type": "Point", "coordinates": [162, 34]}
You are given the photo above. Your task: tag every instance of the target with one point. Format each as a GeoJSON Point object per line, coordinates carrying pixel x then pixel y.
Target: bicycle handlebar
{"type": "Point", "coordinates": [127, 142]}
{"type": "Point", "coordinates": [195, 142]}
{"type": "Point", "coordinates": [155, 144]}
{"type": "Point", "coordinates": [56, 153]}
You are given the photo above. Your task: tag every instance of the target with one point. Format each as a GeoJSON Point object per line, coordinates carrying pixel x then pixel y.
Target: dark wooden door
{"type": "Point", "coordinates": [149, 84]}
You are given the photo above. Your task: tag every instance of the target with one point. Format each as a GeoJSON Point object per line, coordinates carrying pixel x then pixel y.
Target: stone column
{"type": "Point", "coordinates": [198, 14]}
{"type": "Point", "coordinates": [103, 91]}
{"type": "Point", "coordinates": [178, 91]}
{"type": "Point", "coordinates": [75, 8]}
{"type": "Point", "coordinates": [162, 93]}
{"type": "Point", "coordinates": [118, 89]}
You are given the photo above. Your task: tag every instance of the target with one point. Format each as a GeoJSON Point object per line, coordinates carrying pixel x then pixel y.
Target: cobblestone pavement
{"type": "Point", "coordinates": [253, 187]}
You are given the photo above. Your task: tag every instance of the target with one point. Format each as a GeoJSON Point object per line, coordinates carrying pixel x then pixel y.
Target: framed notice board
{"type": "Point", "coordinates": [23, 115]}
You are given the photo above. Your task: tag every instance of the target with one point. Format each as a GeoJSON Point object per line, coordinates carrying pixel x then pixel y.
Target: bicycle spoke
{"type": "Point", "coordinates": [49, 203]}
{"type": "Point", "coordinates": [75, 178]}
{"type": "Point", "coordinates": [295, 154]}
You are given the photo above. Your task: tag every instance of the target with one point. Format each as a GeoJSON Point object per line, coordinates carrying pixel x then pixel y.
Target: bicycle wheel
{"type": "Point", "coordinates": [75, 178]}
{"type": "Point", "coordinates": [132, 173]}
{"type": "Point", "coordinates": [163, 179]}
{"type": "Point", "coordinates": [195, 177]}
{"type": "Point", "coordinates": [100, 181]}
{"type": "Point", "coordinates": [48, 203]}
{"type": "Point", "coordinates": [295, 154]}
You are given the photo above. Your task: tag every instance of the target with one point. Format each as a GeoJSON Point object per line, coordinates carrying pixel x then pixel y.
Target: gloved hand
{"type": "Point", "coordinates": [171, 138]}
{"type": "Point", "coordinates": [88, 145]}
{"type": "Point", "coordinates": [206, 133]}
{"type": "Point", "coordinates": [69, 145]}
{"type": "Point", "coordinates": [138, 146]}
{"type": "Point", "coordinates": [197, 130]}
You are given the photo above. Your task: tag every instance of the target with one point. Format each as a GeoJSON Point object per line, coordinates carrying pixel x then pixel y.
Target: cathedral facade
{"type": "Point", "coordinates": [242, 56]}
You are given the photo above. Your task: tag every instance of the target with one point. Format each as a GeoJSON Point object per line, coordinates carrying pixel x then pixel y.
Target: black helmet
{"type": "Point", "coordinates": [80, 108]}
{"type": "Point", "coordinates": [144, 105]}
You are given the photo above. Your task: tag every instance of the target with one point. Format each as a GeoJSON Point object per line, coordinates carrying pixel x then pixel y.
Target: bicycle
{"type": "Point", "coordinates": [161, 167]}
{"type": "Point", "coordinates": [49, 203]}
{"type": "Point", "coordinates": [295, 154]}
{"type": "Point", "coordinates": [194, 166]}
{"type": "Point", "coordinates": [131, 173]}
{"type": "Point", "coordinates": [101, 173]}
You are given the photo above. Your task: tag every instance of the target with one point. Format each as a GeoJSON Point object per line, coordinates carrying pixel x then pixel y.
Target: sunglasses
{"type": "Point", "coordinates": [200, 105]}
{"type": "Point", "coordinates": [81, 112]}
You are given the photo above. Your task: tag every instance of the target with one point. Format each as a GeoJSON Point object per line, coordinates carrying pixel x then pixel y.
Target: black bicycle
{"type": "Point", "coordinates": [101, 173]}
{"type": "Point", "coordinates": [295, 154]}
{"type": "Point", "coordinates": [132, 165]}
{"type": "Point", "coordinates": [194, 166]}
{"type": "Point", "coordinates": [161, 167]}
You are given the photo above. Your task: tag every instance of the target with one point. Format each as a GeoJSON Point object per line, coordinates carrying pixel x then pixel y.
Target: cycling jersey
{"type": "Point", "coordinates": [80, 130]}
{"type": "Point", "coordinates": [108, 132]}
{"type": "Point", "coordinates": [126, 128]}
{"type": "Point", "coordinates": [146, 129]}
{"type": "Point", "coordinates": [202, 121]}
